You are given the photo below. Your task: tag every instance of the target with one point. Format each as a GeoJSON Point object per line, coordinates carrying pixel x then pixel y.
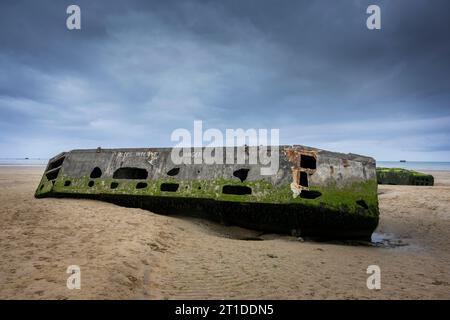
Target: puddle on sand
{"type": "Point", "coordinates": [386, 240]}
{"type": "Point", "coordinates": [378, 240]}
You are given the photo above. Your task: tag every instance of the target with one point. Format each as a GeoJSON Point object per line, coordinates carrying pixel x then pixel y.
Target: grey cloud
{"type": "Point", "coordinates": [139, 69]}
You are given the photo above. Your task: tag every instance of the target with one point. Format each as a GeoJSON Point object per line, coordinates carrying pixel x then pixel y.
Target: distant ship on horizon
{"type": "Point", "coordinates": [402, 160]}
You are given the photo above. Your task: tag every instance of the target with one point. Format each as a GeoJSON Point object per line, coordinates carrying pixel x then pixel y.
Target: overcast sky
{"type": "Point", "coordinates": [137, 70]}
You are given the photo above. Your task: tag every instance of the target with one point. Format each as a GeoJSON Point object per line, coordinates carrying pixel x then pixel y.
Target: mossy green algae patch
{"type": "Point", "coordinates": [335, 213]}
{"type": "Point", "coordinates": [399, 176]}
{"type": "Point", "coordinates": [332, 197]}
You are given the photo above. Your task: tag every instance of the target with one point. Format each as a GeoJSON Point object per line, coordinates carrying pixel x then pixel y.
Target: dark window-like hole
{"type": "Point", "coordinates": [307, 162]}
{"type": "Point", "coordinates": [241, 174]}
{"type": "Point", "coordinates": [310, 194]}
{"type": "Point", "coordinates": [169, 187]}
{"type": "Point", "coordinates": [52, 175]}
{"type": "Point", "coordinates": [114, 185]}
{"type": "Point", "coordinates": [141, 185]}
{"type": "Point", "coordinates": [303, 179]}
{"type": "Point", "coordinates": [91, 183]}
{"type": "Point", "coordinates": [42, 187]}
{"type": "Point", "coordinates": [173, 172]}
{"type": "Point", "coordinates": [67, 183]}
{"type": "Point", "coordinates": [239, 190]}
{"type": "Point", "coordinates": [130, 173]}
{"type": "Point", "coordinates": [96, 173]}
{"type": "Point", "coordinates": [56, 163]}
{"type": "Point", "coordinates": [362, 203]}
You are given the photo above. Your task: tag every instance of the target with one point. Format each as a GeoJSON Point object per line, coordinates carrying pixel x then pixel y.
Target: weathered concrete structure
{"type": "Point", "coordinates": [314, 193]}
{"type": "Point", "coordinates": [400, 176]}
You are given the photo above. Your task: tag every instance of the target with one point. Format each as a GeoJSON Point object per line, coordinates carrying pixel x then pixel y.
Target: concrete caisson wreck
{"type": "Point", "coordinates": [399, 176]}
{"type": "Point", "coordinates": [314, 193]}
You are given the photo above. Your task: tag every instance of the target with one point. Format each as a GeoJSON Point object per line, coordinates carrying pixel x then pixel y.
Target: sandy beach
{"type": "Point", "coordinates": [128, 253]}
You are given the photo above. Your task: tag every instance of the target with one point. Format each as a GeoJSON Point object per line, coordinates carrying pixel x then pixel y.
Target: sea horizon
{"type": "Point", "coordinates": [413, 165]}
{"type": "Point", "coordinates": [416, 165]}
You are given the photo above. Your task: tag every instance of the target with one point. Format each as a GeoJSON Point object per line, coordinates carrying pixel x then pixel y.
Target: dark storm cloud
{"type": "Point", "coordinates": [140, 69]}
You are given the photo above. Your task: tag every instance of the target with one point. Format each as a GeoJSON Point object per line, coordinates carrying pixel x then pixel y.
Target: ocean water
{"type": "Point", "coordinates": [415, 165]}
{"type": "Point", "coordinates": [22, 162]}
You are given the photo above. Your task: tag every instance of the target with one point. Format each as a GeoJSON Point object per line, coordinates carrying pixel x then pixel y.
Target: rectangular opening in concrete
{"type": "Point", "coordinates": [130, 173]}
{"type": "Point", "coordinates": [173, 172]}
{"type": "Point", "coordinates": [141, 185]}
{"type": "Point", "coordinates": [55, 164]}
{"type": "Point", "coordinates": [52, 174]}
{"type": "Point", "coordinates": [169, 187]}
{"type": "Point", "coordinates": [241, 174]}
{"type": "Point", "coordinates": [96, 173]}
{"type": "Point", "coordinates": [307, 161]}
{"type": "Point", "coordinates": [238, 190]}
{"type": "Point", "coordinates": [303, 179]}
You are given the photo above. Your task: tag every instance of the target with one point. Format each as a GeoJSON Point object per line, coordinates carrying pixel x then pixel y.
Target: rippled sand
{"type": "Point", "coordinates": [128, 253]}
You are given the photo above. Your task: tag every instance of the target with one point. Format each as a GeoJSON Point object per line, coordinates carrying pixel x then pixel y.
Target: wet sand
{"type": "Point", "coordinates": [128, 253]}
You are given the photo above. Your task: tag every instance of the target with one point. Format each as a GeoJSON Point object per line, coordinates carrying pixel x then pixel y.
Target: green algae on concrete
{"type": "Point", "coordinates": [399, 176]}
{"type": "Point", "coordinates": [336, 197]}
{"type": "Point", "coordinates": [331, 197]}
